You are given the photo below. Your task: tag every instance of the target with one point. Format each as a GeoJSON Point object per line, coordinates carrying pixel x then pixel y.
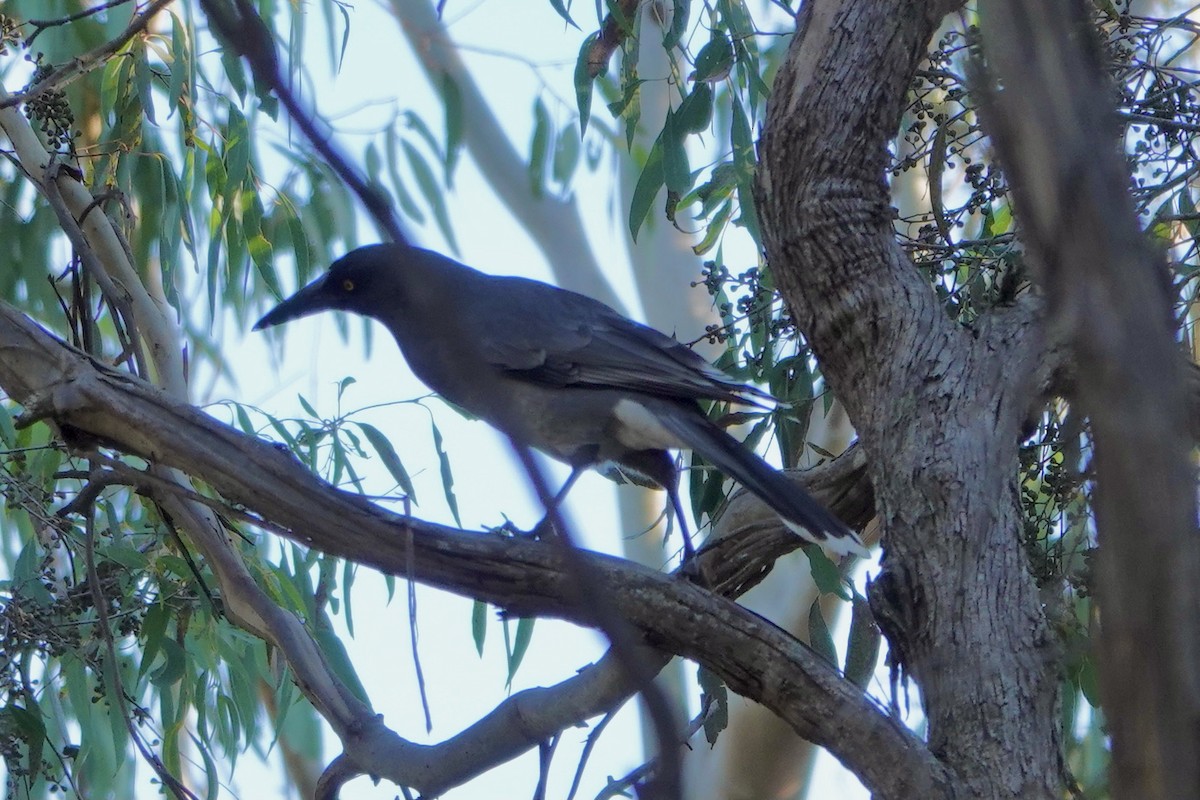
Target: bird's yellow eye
{"type": "Point", "coordinates": [348, 285]}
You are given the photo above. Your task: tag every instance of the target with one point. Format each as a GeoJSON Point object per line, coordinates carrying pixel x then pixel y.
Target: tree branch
{"type": "Point", "coordinates": [756, 659]}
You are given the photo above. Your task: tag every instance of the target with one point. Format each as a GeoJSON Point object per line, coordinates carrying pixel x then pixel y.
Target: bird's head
{"type": "Point", "coordinates": [353, 283]}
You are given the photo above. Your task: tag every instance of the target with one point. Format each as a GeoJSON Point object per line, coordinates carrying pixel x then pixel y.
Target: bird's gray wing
{"type": "Point", "coordinates": [573, 340]}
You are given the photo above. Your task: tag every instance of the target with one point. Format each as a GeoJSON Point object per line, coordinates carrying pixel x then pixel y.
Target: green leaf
{"type": "Point", "coordinates": [720, 186]}
{"type": "Point", "coordinates": [180, 62]}
{"type": "Point", "coordinates": [407, 204]}
{"type": "Point", "coordinates": [416, 123]}
{"type": "Point", "coordinates": [479, 625]}
{"type": "Point", "coordinates": [431, 191]}
{"type": "Point", "coordinates": [237, 149]}
{"type": "Point", "coordinates": [562, 11]}
{"type": "Point", "coordinates": [8, 433]}
{"type": "Point", "coordinates": [142, 77]}
{"type": "Point", "coordinates": [308, 409]}
{"type": "Point", "coordinates": [824, 572]}
{"type": "Point", "coordinates": [744, 160]}
{"type": "Point", "coordinates": [173, 667]}
{"type": "Point", "coordinates": [714, 230]}
{"type": "Point", "coordinates": [679, 20]}
{"type": "Point", "coordinates": [520, 646]}
{"type": "Point", "coordinates": [862, 651]}
{"type": "Point", "coordinates": [391, 460]}
{"type": "Point", "coordinates": [447, 474]}
{"type": "Point", "coordinates": [584, 83]}
{"type": "Point", "coordinates": [819, 638]}
{"type": "Point", "coordinates": [212, 778]}
{"type": "Point", "coordinates": [338, 659]}
{"type": "Point", "coordinates": [153, 633]}
{"type": "Point", "coordinates": [677, 172]}
{"type": "Point", "coordinates": [714, 60]}
{"type": "Point", "coordinates": [349, 571]}
{"type": "Point", "coordinates": [715, 699]}
{"type": "Point", "coordinates": [648, 184]}
{"type": "Point", "coordinates": [696, 111]}
{"type": "Point", "coordinates": [452, 103]}
{"type": "Point", "coordinates": [566, 156]}
{"type": "Point", "coordinates": [539, 147]}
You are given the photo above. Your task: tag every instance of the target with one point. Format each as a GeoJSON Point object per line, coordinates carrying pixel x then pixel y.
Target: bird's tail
{"type": "Point", "coordinates": [798, 510]}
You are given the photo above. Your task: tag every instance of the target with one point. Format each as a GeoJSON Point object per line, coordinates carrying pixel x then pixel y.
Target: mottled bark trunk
{"type": "Point", "coordinates": [938, 406]}
{"type": "Point", "coordinates": [1106, 287]}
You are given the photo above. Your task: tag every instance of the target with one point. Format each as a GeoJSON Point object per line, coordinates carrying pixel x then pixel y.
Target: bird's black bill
{"type": "Point", "coordinates": [309, 300]}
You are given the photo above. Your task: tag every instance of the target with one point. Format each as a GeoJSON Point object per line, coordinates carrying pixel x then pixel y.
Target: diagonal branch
{"type": "Point", "coordinates": [755, 658]}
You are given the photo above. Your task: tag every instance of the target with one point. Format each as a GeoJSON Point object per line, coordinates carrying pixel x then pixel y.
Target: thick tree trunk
{"type": "Point", "coordinates": [1054, 127]}
{"type": "Point", "coordinates": [937, 406]}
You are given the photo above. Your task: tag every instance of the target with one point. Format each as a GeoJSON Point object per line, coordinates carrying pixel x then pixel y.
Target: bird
{"type": "Point", "coordinates": [560, 372]}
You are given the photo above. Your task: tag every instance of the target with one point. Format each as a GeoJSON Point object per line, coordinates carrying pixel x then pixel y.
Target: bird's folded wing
{"type": "Point", "coordinates": [549, 335]}
{"type": "Point", "coordinates": [620, 356]}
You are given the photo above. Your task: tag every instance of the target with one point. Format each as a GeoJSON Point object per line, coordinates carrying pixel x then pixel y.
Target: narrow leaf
{"type": "Point", "coordinates": [824, 572]}
{"type": "Point", "coordinates": [862, 650]}
{"type": "Point", "coordinates": [648, 184]}
{"type": "Point", "coordinates": [520, 646]}
{"type": "Point", "coordinates": [452, 103]}
{"type": "Point", "coordinates": [539, 147]}
{"type": "Point", "coordinates": [819, 638]}
{"type": "Point", "coordinates": [387, 454]}
{"type": "Point", "coordinates": [447, 474]}
{"type": "Point", "coordinates": [479, 625]}
{"type": "Point", "coordinates": [584, 83]}
{"type": "Point", "coordinates": [432, 192]}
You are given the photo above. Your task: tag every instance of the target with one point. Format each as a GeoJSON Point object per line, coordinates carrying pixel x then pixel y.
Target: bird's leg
{"type": "Point", "coordinates": [547, 525]}
{"type": "Point", "coordinates": [677, 507]}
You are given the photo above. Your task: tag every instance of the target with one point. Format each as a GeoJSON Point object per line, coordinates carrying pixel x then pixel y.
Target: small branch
{"type": "Point", "coordinates": [616, 28]}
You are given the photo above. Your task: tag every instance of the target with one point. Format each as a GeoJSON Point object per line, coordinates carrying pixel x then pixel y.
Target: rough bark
{"type": "Point", "coordinates": [1054, 126]}
{"type": "Point", "coordinates": [937, 406]}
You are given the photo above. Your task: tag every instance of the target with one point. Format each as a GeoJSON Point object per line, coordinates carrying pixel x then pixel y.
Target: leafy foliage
{"type": "Point", "coordinates": [129, 649]}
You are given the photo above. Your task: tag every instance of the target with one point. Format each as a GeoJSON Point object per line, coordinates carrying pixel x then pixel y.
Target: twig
{"type": "Point", "coordinates": [412, 630]}
{"type": "Point", "coordinates": [117, 297]}
{"type": "Point", "coordinates": [588, 746]}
